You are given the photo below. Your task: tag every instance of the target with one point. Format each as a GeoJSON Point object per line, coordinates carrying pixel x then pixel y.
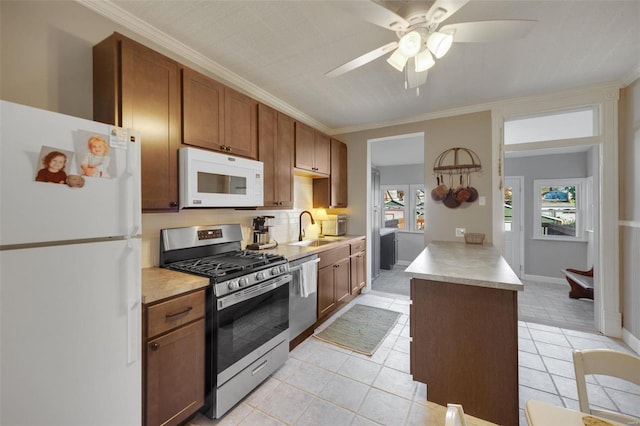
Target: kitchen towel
{"type": "Point", "coordinates": [308, 278]}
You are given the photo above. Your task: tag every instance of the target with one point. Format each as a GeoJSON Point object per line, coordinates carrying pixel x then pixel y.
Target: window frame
{"type": "Point", "coordinates": [581, 206]}
{"type": "Point", "coordinates": [410, 206]}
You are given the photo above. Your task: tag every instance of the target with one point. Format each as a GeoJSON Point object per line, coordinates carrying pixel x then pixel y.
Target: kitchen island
{"type": "Point", "coordinates": [464, 329]}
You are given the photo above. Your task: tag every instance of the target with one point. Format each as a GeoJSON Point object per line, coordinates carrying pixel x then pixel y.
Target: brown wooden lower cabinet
{"type": "Point", "coordinates": [334, 280]}
{"type": "Point", "coordinates": [465, 347]}
{"type": "Point", "coordinates": [173, 368]}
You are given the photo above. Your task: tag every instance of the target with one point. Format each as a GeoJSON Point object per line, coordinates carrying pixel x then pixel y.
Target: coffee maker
{"type": "Point", "coordinates": [260, 233]}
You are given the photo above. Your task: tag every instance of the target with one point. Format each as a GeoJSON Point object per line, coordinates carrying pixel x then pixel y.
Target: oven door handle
{"type": "Point", "coordinates": [251, 292]}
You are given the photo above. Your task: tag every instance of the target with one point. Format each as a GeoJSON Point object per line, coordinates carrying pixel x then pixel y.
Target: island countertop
{"type": "Point", "coordinates": [460, 263]}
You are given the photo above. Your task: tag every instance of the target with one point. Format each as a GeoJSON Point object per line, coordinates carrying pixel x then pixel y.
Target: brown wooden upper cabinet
{"type": "Point", "coordinates": [135, 87]}
{"type": "Point", "coordinates": [276, 133]}
{"type": "Point", "coordinates": [312, 150]}
{"type": "Point", "coordinates": [331, 192]}
{"type": "Point", "coordinates": [218, 118]}
{"type": "Point", "coordinates": [202, 111]}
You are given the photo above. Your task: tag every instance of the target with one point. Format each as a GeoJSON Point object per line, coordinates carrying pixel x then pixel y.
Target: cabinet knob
{"type": "Point", "coordinates": [173, 204]}
{"type": "Point", "coordinates": [223, 148]}
{"type": "Point", "coordinates": [155, 346]}
{"type": "Point", "coordinates": [228, 148]}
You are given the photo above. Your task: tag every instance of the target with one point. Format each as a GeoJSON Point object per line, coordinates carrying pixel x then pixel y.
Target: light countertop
{"type": "Point", "coordinates": [468, 264]}
{"type": "Point", "coordinates": [386, 231]}
{"type": "Point", "coordinates": [160, 283]}
{"type": "Point", "coordinates": [297, 252]}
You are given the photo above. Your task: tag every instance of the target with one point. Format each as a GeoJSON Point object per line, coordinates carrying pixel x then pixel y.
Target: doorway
{"type": "Point", "coordinates": [395, 223]}
{"type": "Point", "coordinates": [513, 223]}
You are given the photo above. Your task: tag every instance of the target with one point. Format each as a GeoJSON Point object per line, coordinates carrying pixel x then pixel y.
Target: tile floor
{"type": "Point", "coordinates": [322, 384]}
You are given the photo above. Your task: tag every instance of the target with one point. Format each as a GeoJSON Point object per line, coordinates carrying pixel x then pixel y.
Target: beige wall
{"type": "Point", "coordinates": [629, 150]}
{"type": "Point", "coordinates": [472, 131]}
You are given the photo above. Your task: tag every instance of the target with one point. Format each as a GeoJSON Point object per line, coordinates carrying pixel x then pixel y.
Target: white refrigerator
{"type": "Point", "coordinates": [70, 276]}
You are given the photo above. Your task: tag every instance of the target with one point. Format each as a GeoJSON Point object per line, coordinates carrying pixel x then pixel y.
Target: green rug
{"type": "Point", "coordinates": [361, 329]}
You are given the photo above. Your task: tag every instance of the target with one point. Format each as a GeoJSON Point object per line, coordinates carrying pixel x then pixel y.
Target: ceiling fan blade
{"type": "Point", "coordinates": [375, 13]}
{"type": "Point", "coordinates": [361, 60]}
{"type": "Point", "coordinates": [488, 31]}
{"type": "Point", "coordinates": [442, 9]}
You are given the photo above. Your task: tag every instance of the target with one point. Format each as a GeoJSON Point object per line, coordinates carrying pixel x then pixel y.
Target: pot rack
{"type": "Point", "coordinates": [457, 161]}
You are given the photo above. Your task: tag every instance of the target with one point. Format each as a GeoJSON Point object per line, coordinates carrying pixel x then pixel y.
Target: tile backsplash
{"type": "Point", "coordinates": [285, 228]}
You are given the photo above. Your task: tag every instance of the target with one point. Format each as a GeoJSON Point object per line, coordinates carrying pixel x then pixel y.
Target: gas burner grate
{"type": "Point", "coordinates": [225, 264]}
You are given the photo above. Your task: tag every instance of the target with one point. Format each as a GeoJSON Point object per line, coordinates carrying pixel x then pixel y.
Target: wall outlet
{"type": "Point", "coordinates": [482, 200]}
{"type": "Point", "coordinates": [460, 232]}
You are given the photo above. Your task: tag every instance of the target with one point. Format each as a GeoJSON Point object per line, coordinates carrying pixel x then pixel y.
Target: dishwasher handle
{"type": "Point", "coordinates": [299, 266]}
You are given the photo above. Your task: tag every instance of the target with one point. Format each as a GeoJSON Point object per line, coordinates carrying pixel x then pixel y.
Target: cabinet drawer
{"type": "Point", "coordinates": [357, 246]}
{"type": "Point", "coordinates": [174, 313]}
{"type": "Point", "coordinates": [332, 256]}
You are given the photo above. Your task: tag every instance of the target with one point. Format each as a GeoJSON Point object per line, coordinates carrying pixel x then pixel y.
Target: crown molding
{"type": "Point", "coordinates": [631, 76]}
{"type": "Point", "coordinates": [115, 13]}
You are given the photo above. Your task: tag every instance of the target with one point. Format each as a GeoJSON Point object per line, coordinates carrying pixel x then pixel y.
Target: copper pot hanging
{"type": "Point", "coordinates": [473, 193]}
{"type": "Point", "coordinates": [462, 194]}
{"type": "Point", "coordinates": [439, 192]}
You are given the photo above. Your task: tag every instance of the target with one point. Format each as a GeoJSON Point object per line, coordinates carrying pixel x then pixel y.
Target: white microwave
{"type": "Point", "coordinates": [210, 179]}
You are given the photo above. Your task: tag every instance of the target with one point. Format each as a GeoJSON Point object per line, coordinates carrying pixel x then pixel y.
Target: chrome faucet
{"type": "Point", "coordinates": [301, 234]}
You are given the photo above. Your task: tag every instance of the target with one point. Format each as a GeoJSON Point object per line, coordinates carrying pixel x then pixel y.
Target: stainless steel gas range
{"type": "Point", "coordinates": [247, 311]}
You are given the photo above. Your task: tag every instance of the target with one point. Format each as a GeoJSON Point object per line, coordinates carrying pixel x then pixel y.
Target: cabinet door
{"type": "Point", "coordinates": [150, 103]}
{"type": "Point", "coordinates": [267, 122]}
{"type": "Point", "coordinates": [202, 111]}
{"type": "Point", "coordinates": [322, 153]}
{"type": "Point", "coordinates": [326, 290]}
{"type": "Point", "coordinates": [358, 279]}
{"type": "Point", "coordinates": [338, 174]}
{"type": "Point", "coordinates": [240, 124]}
{"type": "Point", "coordinates": [341, 279]}
{"type": "Point", "coordinates": [175, 375]}
{"type": "Point", "coordinates": [305, 146]}
{"type": "Point", "coordinates": [284, 161]}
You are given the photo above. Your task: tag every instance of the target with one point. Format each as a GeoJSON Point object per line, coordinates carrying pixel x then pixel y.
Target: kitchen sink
{"type": "Point", "coordinates": [310, 243]}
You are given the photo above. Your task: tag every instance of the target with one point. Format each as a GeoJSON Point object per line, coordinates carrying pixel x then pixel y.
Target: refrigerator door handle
{"type": "Point", "coordinates": [132, 299]}
{"type": "Point", "coordinates": [133, 195]}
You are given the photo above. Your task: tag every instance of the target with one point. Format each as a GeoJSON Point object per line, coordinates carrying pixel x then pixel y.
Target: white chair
{"type": "Point", "coordinates": [609, 363]}
{"type": "Point", "coordinates": [454, 416]}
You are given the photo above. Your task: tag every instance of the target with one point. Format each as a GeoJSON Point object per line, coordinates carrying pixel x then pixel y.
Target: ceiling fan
{"type": "Point", "coordinates": [420, 36]}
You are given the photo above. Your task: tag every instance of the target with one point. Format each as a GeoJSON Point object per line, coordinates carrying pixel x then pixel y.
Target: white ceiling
{"type": "Point", "coordinates": [279, 51]}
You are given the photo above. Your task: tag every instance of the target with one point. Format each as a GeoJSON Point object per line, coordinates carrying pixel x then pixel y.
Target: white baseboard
{"type": "Point", "coordinates": [403, 262]}
{"type": "Point", "coordinates": [631, 340]}
{"type": "Point", "coordinates": [543, 279]}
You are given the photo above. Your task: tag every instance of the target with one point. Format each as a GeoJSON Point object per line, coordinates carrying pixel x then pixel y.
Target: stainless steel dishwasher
{"type": "Point", "coordinates": [303, 311]}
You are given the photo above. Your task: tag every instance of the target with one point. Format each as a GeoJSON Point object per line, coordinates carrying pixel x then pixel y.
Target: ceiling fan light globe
{"type": "Point", "coordinates": [397, 60]}
{"type": "Point", "coordinates": [410, 44]}
{"type": "Point", "coordinates": [439, 43]}
{"type": "Point", "coordinates": [424, 61]}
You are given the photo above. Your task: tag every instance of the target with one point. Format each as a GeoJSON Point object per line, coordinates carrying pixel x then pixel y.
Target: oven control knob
{"type": "Point", "coordinates": [283, 268]}
{"type": "Point", "coordinates": [275, 271]}
{"type": "Point", "coordinates": [232, 285]}
{"type": "Point", "coordinates": [243, 281]}
{"type": "Point", "coordinates": [260, 276]}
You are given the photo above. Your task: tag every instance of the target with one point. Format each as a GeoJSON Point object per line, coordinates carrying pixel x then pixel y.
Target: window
{"type": "Point", "coordinates": [559, 209]}
{"type": "Point", "coordinates": [403, 207]}
{"type": "Point", "coordinates": [551, 126]}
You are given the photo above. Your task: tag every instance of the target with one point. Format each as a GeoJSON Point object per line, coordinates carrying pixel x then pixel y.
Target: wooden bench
{"type": "Point", "coordinates": [581, 283]}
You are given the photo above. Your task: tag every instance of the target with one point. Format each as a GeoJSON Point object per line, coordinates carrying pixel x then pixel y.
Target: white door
{"type": "Point", "coordinates": [513, 226]}
{"type": "Point", "coordinates": [71, 335]}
